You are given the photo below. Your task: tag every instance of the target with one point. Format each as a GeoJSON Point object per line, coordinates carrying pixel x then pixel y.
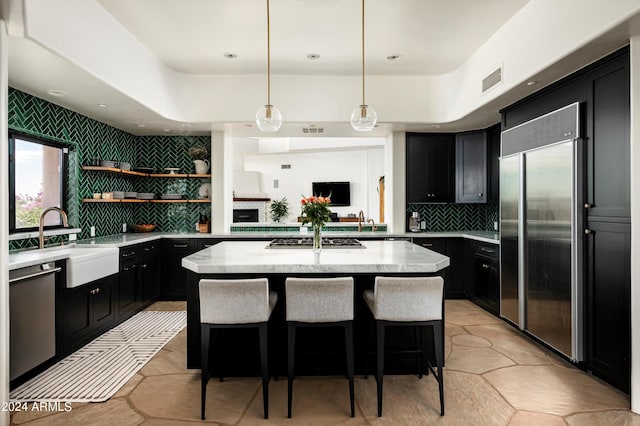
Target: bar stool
{"type": "Point", "coordinates": [417, 301]}
{"type": "Point", "coordinates": [319, 302]}
{"type": "Point", "coordinates": [235, 304]}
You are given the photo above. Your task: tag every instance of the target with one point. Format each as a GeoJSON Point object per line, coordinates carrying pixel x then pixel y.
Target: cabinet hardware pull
{"type": "Point", "coordinates": [97, 290]}
{"type": "Point", "coordinates": [180, 245]}
{"type": "Point", "coordinates": [588, 231]}
{"type": "Point", "coordinates": [128, 268]}
{"type": "Point", "coordinates": [480, 194]}
{"type": "Point", "coordinates": [128, 254]}
{"type": "Point", "coordinates": [149, 248]}
{"type": "Point", "coordinates": [587, 205]}
{"type": "Point", "coordinates": [485, 266]}
{"type": "Point", "coordinates": [37, 274]}
{"type": "Point", "coordinates": [427, 245]}
{"type": "Point", "coordinates": [144, 266]}
{"type": "Point", "coordinates": [208, 245]}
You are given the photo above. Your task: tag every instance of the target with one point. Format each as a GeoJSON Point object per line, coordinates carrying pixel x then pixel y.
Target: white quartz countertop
{"type": "Point", "coordinates": [253, 257]}
{"type": "Point", "coordinates": [24, 258]}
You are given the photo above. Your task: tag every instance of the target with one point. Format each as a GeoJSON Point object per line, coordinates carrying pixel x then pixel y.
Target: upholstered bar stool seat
{"type": "Point", "coordinates": [235, 304]}
{"type": "Point", "coordinates": [415, 301]}
{"type": "Point", "coordinates": [319, 302]}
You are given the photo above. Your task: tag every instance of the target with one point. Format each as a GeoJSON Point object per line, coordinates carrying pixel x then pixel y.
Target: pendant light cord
{"type": "Point", "coordinates": [363, 103]}
{"type": "Point", "coordinates": [269, 57]}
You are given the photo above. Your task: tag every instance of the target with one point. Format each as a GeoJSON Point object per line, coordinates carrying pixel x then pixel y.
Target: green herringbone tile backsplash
{"type": "Point", "coordinates": [456, 217]}
{"type": "Point", "coordinates": [87, 139]}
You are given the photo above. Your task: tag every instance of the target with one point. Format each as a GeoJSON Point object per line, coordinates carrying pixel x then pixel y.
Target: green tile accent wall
{"type": "Point", "coordinates": [455, 217]}
{"type": "Point", "coordinates": [87, 139]}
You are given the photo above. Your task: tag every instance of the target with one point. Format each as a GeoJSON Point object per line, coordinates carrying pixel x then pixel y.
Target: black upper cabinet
{"type": "Point", "coordinates": [607, 137]}
{"type": "Point", "coordinates": [430, 162]}
{"type": "Point", "coordinates": [471, 167]}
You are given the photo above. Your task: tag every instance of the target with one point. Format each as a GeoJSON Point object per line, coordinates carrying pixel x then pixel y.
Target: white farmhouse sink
{"type": "Point", "coordinates": [89, 264]}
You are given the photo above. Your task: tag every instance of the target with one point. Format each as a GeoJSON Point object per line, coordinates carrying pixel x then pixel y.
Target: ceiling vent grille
{"type": "Point", "coordinates": [312, 130]}
{"type": "Point", "coordinates": [492, 79]}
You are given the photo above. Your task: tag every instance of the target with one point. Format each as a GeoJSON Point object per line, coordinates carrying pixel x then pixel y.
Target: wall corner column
{"type": "Point", "coordinates": [395, 182]}
{"type": "Point", "coordinates": [635, 222]}
{"type": "Point", "coordinates": [221, 182]}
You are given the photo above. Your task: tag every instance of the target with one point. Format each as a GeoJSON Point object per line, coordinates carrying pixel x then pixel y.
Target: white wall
{"type": "Point", "coordinates": [361, 167]}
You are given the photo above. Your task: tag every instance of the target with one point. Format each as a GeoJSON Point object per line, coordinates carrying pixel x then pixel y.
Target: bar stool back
{"type": "Point", "coordinates": [235, 304]}
{"type": "Point", "coordinates": [319, 302]}
{"type": "Point", "coordinates": [415, 301]}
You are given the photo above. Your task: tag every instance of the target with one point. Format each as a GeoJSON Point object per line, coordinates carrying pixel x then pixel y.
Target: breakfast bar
{"type": "Point", "coordinates": [253, 259]}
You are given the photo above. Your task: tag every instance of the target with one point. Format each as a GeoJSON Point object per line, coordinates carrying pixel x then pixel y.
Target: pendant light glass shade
{"type": "Point", "coordinates": [363, 118]}
{"type": "Point", "coordinates": [269, 118]}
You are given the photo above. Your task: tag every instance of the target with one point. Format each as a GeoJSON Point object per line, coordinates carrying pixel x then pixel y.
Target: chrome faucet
{"type": "Point", "coordinates": [360, 220]}
{"type": "Point", "coordinates": [41, 228]}
{"type": "Point", "coordinates": [373, 225]}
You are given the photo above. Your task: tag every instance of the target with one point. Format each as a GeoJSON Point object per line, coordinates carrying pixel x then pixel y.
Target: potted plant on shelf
{"type": "Point", "coordinates": [279, 209]}
{"type": "Point", "coordinates": [199, 155]}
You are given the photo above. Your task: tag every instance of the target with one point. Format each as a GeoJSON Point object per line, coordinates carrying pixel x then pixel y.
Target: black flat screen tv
{"type": "Point", "coordinates": [339, 191]}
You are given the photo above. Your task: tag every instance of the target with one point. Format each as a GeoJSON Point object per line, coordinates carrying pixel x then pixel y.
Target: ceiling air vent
{"type": "Point", "coordinates": [312, 130]}
{"type": "Point", "coordinates": [492, 79]}
{"type": "Point", "coordinates": [285, 166]}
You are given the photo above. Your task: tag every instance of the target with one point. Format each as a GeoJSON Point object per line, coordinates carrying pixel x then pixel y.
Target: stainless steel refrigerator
{"type": "Point", "coordinates": [540, 217]}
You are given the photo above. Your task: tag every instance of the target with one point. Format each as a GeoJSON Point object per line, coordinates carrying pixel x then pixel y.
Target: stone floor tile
{"type": "Point", "coordinates": [610, 417]}
{"type": "Point", "coordinates": [177, 396]}
{"type": "Point", "coordinates": [511, 343]}
{"type": "Point", "coordinates": [129, 386]}
{"type": "Point", "coordinates": [452, 330]}
{"type": "Point", "coordinates": [178, 343]}
{"type": "Point", "coordinates": [470, 340]}
{"type": "Point", "coordinates": [476, 360]}
{"type": "Point", "coordinates": [471, 318]}
{"type": "Point", "coordinates": [528, 418]}
{"type": "Point", "coordinates": [316, 401]}
{"type": "Point", "coordinates": [469, 400]}
{"type": "Point", "coordinates": [109, 413]}
{"type": "Point", "coordinates": [554, 390]}
{"type": "Point", "coordinates": [165, 362]}
{"type": "Point", "coordinates": [167, 305]}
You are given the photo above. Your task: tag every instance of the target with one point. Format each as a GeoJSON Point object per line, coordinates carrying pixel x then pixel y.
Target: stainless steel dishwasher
{"type": "Point", "coordinates": [32, 300]}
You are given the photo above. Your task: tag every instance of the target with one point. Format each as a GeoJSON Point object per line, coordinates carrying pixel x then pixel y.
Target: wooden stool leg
{"type": "Point", "coordinates": [205, 333]}
{"type": "Point", "coordinates": [291, 343]}
{"type": "Point", "coordinates": [380, 362]}
{"type": "Point", "coordinates": [265, 368]}
{"type": "Point", "coordinates": [439, 347]}
{"type": "Point", "coordinates": [348, 334]}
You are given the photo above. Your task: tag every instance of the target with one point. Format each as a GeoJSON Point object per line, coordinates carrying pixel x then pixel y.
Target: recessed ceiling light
{"type": "Point", "coordinates": [532, 83]}
{"type": "Point", "coordinates": [102, 105]}
{"type": "Point", "coordinates": [230, 55]}
{"type": "Point", "coordinates": [311, 125]}
{"type": "Point", "coordinates": [394, 57]}
{"type": "Point", "coordinates": [435, 126]}
{"type": "Point", "coordinates": [186, 125]}
{"type": "Point", "coordinates": [140, 125]}
{"type": "Point", "coordinates": [166, 130]}
{"type": "Point", "coordinates": [58, 93]}
{"type": "Point", "coordinates": [313, 56]}
{"type": "Point", "coordinates": [248, 125]}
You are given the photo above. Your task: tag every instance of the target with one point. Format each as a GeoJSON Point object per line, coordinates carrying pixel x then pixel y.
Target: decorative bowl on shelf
{"type": "Point", "coordinates": [143, 227]}
{"type": "Point", "coordinates": [172, 170]}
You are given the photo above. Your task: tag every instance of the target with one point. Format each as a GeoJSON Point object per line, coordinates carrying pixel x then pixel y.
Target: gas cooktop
{"type": "Point", "coordinates": [308, 242]}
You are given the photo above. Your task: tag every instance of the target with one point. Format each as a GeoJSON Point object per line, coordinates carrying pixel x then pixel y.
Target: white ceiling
{"type": "Point", "coordinates": [190, 37]}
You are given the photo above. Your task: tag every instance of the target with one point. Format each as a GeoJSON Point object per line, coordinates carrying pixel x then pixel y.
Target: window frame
{"type": "Point", "coordinates": [64, 178]}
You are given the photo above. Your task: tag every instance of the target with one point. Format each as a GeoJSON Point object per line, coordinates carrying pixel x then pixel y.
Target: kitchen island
{"type": "Point", "coordinates": [245, 259]}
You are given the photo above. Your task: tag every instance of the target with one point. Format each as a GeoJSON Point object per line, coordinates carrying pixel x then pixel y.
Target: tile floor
{"type": "Point", "coordinates": [494, 376]}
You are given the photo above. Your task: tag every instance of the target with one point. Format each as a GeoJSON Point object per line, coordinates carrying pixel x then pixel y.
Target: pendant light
{"type": "Point", "coordinates": [268, 118]}
{"type": "Point", "coordinates": [363, 118]}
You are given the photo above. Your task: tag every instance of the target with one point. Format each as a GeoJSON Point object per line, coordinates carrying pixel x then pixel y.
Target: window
{"type": "Point", "coordinates": [37, 181]}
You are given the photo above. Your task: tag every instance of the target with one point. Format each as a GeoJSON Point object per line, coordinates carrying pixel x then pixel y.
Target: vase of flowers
{"type": "Point", "coordinates": [315, 210]}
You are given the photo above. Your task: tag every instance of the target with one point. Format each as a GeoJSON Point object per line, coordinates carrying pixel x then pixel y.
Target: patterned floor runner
{"type": "Point", "coordinates": [98, 370]}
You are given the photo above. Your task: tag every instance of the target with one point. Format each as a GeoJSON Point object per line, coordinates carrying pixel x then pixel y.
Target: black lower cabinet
{"type": "Point", "coordinates": [149, 272]}
{"type": "Point", "coordinates": [482, 274]}
{"type": "Point", "coordinates": [89, 310]}
{"type": "Point", "coordinates": [128, 294]}
{"type": "Point", "coordinates": [608, 317]}
{"type": "Point", "coordinates": [174, 283]}
{"type": "Point", "coordinates": [454, 285]}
